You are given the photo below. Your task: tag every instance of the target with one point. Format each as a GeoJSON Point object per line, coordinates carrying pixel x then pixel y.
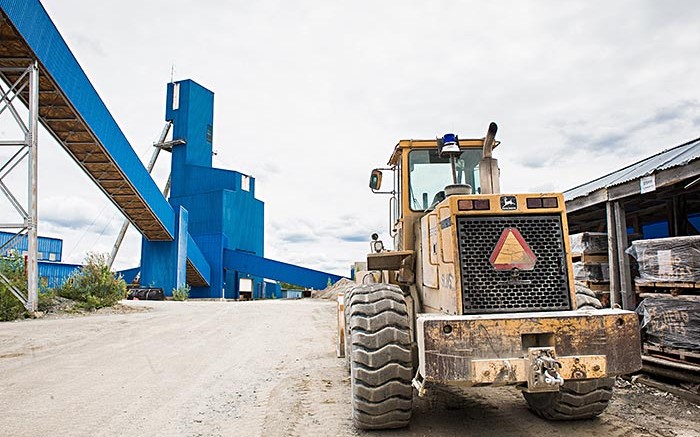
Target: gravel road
{"type": "Point", "coordinates": [264, 368]}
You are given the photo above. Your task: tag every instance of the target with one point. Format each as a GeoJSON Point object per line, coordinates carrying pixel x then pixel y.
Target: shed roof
{"type": "Point", "coordinates": [675, 157]}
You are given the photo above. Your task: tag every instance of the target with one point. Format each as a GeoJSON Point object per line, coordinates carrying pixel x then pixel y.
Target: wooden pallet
{"type": "Point", "coordinates": [597, 286]}
{"type": "Point", "coordinates": [680, 391]}
{"type": "Point", "coordinates": [588, 258]}
{"type": "Point", "coordinates": [673, 288]}
{"type": "Point", "coordinates": [691, 297]}
{"type": "Point", "coordinates": [674, 354]}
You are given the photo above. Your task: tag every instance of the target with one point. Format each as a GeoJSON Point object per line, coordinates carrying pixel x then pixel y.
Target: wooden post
{"type": "Point", "coordinates": [626, 289]}
{"type": "Point", "coordinates": [340, 352]}
{"type": "Point", "coordinates": [673, 219]}
{"type": "Point", "coordinates": [680, 213]}
{"type": "Point", "coordinates": [612, 256]}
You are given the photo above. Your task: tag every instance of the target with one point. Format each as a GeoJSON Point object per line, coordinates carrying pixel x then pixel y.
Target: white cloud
{"type": "Point", "coordinates": [310, 96]}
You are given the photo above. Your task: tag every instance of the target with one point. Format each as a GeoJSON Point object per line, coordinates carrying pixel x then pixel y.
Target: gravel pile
{"type": "Point", "coordinates": [332, 292]}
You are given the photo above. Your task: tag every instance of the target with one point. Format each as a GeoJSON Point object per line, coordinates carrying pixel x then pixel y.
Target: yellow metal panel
{"type": "Point", "coordinates": [515, 370]}
{"type": "Point", "coordinates": [433, 239]}
{"type": "Point", "coordinates": [430, 274]}
{"type": "Point", "coordinates": [449, 344]}
{"type": "Point", "coordinates": [447, 242]}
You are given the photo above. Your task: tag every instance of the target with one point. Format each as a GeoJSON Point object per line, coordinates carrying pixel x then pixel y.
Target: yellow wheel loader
{"type": "Point", "coordinates": [478, 291]}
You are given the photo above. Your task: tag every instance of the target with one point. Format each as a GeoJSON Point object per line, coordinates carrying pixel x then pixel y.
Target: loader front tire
{"type": "Point", "coordinates": [380, 352]}
{"type": "Point", "coordinates": [575, 400]}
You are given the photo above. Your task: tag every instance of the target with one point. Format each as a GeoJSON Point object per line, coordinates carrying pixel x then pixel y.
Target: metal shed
{"type": "Point", "coordinates": [656, 197]}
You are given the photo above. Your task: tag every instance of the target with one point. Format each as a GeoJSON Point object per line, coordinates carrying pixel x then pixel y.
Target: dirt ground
{"type": "Point", "coordinates": [264, 368]}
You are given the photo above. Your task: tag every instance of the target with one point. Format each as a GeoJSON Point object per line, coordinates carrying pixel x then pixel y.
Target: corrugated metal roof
{"type": "Point", "coordinates": [674, 157]}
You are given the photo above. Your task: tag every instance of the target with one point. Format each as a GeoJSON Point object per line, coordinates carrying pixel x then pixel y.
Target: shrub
{"type": "Point", "coordinates": [47, 300]}
{"type": "Point", "coordinates": [12, 267]}
{"type": "Point", "coordinates": [10, 307]}
{"type": "Point", "coordinates": [94, 285]}
{"type": "Point", "coordinates": [181, 293]}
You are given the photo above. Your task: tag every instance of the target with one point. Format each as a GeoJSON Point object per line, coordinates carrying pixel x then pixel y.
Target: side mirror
{"type": "Point", "coordinates": [375, 179]}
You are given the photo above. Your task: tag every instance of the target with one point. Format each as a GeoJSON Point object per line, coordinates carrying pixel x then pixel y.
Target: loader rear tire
{"type": "Point", "coordinates": [586, 298]}
{"type": "Point", "coordinates": [575, 400]}
{"type": "Point", "coordinates": [381, 361]}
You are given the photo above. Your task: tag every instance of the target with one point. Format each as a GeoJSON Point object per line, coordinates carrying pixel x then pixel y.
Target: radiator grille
{"type": "Point", "coordinates": [486, 290]}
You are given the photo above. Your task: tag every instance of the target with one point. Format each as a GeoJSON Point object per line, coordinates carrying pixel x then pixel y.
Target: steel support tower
{"type": "Point", "coordinates": [25, 149]}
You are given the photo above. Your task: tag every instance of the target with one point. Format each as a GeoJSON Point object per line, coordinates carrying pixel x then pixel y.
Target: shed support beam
{"type": "Point", "coordinates": [612, 256]}
{"type": "Point", "coordinates": [623, 263]}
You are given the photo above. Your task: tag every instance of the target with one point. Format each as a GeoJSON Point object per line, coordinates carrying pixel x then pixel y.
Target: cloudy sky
{"type": "Point", "coordinates": [311, 95]}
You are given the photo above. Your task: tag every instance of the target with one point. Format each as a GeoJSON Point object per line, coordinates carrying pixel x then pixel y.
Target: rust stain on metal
{"type": "Point", "coordinates": [589, 346]}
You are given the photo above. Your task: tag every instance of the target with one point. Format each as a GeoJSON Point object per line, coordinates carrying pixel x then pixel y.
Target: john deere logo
{"type": "Point", "coordinates": [509, 203]}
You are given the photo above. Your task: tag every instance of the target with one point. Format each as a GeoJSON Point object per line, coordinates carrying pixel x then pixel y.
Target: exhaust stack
{"type": "Point", "coordinates": [488, 167]}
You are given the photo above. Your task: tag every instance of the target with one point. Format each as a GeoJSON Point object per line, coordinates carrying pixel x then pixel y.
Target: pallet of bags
{"type": "Point", "coordinates": [671, 322]}
{"type": "Point", "coordinates": [589, 253]}
{"type": "Point", "coordinates": [591, 272]}
{"type": "Point", "coordinates": [667, 260]}
{"type": "Point", "coordinates": [588, 243]}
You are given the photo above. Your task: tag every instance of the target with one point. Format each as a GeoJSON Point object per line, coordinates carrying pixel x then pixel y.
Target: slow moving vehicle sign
{"type": "Point", "coordinates": [512, 252]}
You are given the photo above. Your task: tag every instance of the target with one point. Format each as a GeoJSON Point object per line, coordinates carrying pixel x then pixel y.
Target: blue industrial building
{"type": "Point", "coordinates": [50, 249]}
{"type": "Point", "coordinates": [52, 272]}
{"type": "Point", "coordinates": [217, 207]}
{"type": "Point", "coordinates": [209, 234]}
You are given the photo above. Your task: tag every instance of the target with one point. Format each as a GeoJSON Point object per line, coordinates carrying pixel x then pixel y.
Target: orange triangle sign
{"type": "Point", "coordinates": [512, 252]}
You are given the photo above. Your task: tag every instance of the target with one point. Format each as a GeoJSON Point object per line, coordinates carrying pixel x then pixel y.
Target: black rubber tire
{"type": "Point", "coordinates": [586, 298]}
{"type": "Point", "coordinates": [574, 401]}
{"type": "Point", "coordinates": [381, 362]}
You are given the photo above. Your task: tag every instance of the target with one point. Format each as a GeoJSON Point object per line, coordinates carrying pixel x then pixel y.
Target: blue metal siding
{"type": "Point", "coordinates": [292, 294]}
{"type": "Point", "coordinates": [272, 290]}
{"type": "Point", "coordinates": [198, 260]}
{"type": "Point", "coordinates": [160, 270]}
{"type": "Point", "coordinates": [231, 284]}
{"type": "Point", "coordinates": [40, 33]}
{"type": "Point", "coordinates": [243, 222]}
{"type": "Point", "coordinates": [212, 247]}
{"type": "Point", "coordinates": [205, 212]}
{"type": "Point", "coordinates": [191, 122]}
{"type": "Point", "coordinates": [206, 179]}
{"type": "Point", "coordinates": [46, 245]}
{"type": "Point", "coordinates": [167, 259]}
{"type": "Point", "coordinates": [129, 274]}
{"type": "Point", "coordinates": [53, 275]}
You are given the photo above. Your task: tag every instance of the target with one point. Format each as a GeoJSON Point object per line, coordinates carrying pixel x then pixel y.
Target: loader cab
{"type": "Point", "coordinates": [429, 174]}
{"type": "Point", "coordinates": [420, 176]}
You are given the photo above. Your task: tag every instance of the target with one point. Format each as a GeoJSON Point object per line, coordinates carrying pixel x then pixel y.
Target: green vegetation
{"type": "Point", "coordinates": [181, 293]}
{"type": "Point", "coordinates": [288, 286]}
{"type": "Point", "coordinates": [47, 300]}
{"type": "Point", "coordinates": [12, 267]}
{"type": "Point", "coordinates": [94, 286]}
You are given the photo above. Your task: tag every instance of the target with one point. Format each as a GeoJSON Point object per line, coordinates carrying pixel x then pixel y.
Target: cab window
{"type": "Point", "coordinates": [429, 174]}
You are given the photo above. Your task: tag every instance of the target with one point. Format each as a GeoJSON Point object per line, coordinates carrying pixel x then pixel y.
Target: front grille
{"type": "Point", "coordinates": [486, 290]}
